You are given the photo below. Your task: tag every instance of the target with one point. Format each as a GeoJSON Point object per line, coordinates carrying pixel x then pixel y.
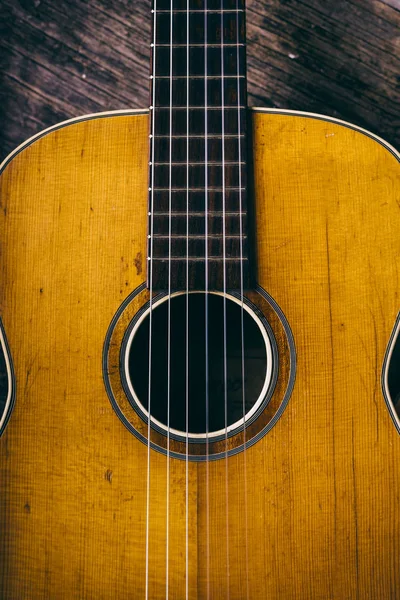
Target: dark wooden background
{"type": "Point", "coordinates": [64, 58]}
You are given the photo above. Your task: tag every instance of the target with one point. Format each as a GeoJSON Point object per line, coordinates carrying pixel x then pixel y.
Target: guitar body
{"type": "Point", "coordinates": [318, 495]}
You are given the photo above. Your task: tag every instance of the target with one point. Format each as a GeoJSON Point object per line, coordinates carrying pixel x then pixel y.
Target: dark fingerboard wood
{"type": "Point", "coordinates": [197, 197]}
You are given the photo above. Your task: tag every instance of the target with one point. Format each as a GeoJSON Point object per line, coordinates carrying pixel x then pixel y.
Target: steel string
{"type": "Point", "coordinates": [151, 303]}
{"type": "Point", "coordinates": [187, 303]}
{"type": "Point", "coordinates": [206, 297]}
{"type": "Point", "coordinates": [169, 301]}
{"type": "Point", "coordinates": [242, 300]}
{"type": "Point", "coordinates": [224, 299]}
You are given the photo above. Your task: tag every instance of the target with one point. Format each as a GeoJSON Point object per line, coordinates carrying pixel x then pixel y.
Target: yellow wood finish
{"type": "Point", "coordinates": [319, 494]}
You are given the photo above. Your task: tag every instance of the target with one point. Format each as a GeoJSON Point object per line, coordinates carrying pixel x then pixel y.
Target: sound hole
{"type": "Point", "coordinates": [178, 345]}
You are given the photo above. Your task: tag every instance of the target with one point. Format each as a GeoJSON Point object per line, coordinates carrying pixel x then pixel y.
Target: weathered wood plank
{"type": "Point", "coordinates": [69, 58]}
{"type": "Point", "coordinates": [391, 3]}
{"type": "Point", "coordinates": [322, 70]}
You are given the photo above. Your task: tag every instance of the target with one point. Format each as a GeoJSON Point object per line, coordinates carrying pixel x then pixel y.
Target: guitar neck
{"type": "Point", "coordinates": [197, 195]}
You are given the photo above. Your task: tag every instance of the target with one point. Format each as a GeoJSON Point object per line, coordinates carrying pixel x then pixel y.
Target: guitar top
{"type": "Point", "coordinates": [199, 311]}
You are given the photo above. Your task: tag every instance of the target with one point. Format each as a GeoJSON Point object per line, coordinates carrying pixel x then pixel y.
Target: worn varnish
{"type": "Point", "coordinates": [322, 487]}
{"type": "Point", "coordinates": [68, 58]}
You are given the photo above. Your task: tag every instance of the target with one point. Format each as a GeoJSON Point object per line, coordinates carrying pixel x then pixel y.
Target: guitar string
{"type": "Point", "coordinates": [206, 297]}
{"type": "Point", "coordinates": [239, 102]}
{"type": "Point", "coordinates": [169, 315]}
{"type": "Point", "coordinates": [224, 299]}
{"type": "Point", "coordinates": [187, 303]}
{"type": "Point", "coordinates": [169, 305]}
{"type": "Point", "coordinates": [151, 304]}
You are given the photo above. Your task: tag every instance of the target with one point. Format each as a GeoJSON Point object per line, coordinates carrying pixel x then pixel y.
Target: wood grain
{"type": "Point", "coordinates": [318, 496]}
{"type": "Point", "coordinates": [68, 58]}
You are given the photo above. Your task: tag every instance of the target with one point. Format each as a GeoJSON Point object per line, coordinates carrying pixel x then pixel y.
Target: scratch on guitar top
{"type": "Point", "coordinates": [282, 245]}
{"type": "Point", "coordinates": [108, 475]}
{"type": "Point", "coordinates": [329, 135]}
{"type": "Point", "coordinates": [138, 263]}
{"type": "Point", "coordinates": [29, 381]}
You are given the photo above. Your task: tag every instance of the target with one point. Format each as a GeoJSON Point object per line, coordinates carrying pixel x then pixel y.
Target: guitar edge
{"type": "Point", "coordinates": [319, 495]}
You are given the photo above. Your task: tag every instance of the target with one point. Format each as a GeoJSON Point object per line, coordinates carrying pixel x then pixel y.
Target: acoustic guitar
{"type": "Point", "coordinates": [199, 308]}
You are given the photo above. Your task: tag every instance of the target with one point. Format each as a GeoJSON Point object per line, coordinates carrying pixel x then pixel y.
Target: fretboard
{"type": "Point", "coordinates": [197, 193]}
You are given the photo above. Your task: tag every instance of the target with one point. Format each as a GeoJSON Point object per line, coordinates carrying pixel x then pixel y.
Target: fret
{"type": "Point", "coordinates": [183, 163]}
{"type": "Point", "coordinates": [199, 200]}
{"type": "Point", "coordinates": [198, 4]}
{"type": "Point", "coordinates": [198, 189]}
{"type": "Point", "coordinates": [193, 236]}
{"type": "Point", "coordinates": [201, 213]}
{"type": "Point", "coordinates": [226, 136]}
{"type": "Point", "coordinates": [232, 116]}
{"type": "Point", "coordinates": [196, 247]}
{"type": "Point", "coordinates": [197, 147]}
{"type": "Point", "coordinates": [202, 108]}
{"type": "Point", "coordinates": [231, 23]}
{"type": "Point", "coordinates": [202, 77]}
{"type": "Point", "coordinates": [189, 164]}
{"type": "Point", "coordinates": [165, 259]}
{"type": "Point", "coordinates": [176, 175]}
{"type": "Point", "coordinates": [201, 11]}
{"type": "Point", "coordinates": [195, 223]}
{"type": "Point", "coordinates": [184, 45]}
{"type": "Point", "coordinates": [196, 88]}
{"type": "Point", "coordinates": [197, 66]}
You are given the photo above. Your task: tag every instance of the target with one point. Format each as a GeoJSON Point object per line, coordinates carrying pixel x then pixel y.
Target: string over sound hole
{"type": "Point", "coordinates": [196, 363]}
